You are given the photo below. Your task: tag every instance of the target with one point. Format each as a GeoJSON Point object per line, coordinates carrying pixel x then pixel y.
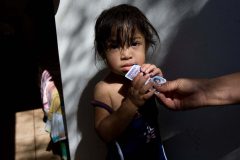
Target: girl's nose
{"type": "Point", "coordinates": [125, 53]}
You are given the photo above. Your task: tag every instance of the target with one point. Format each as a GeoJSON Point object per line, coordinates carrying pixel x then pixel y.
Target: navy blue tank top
{"type": "Point", "coordinates": [141, 140]}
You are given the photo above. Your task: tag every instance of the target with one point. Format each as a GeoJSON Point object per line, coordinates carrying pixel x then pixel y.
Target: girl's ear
{"type": "Point", "coordinates": [146, 46]}
{"type": "Point", "coordinates": [105, 60]}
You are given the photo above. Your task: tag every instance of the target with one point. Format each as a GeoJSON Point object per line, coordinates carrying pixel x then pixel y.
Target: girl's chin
{"type": "Point", "coordinates": [121, 73]}
{"type": "Point", "coordinates": [126, 69]}
{"type": "Point", "coordinates": [124, 73]}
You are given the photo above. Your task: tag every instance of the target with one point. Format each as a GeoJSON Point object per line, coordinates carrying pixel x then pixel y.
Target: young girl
{"type": "Point", "coordinates": [125, 111]}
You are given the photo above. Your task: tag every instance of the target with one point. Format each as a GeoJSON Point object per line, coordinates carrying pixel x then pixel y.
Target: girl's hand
{"type": "Point", "coordinates": [139, 92]}
{"type": "Point", "coordinates": [151, 69]}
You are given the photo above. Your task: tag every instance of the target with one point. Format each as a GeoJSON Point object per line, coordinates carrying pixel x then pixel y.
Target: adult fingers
{"type": "Point", "coordinates": [168, 86]}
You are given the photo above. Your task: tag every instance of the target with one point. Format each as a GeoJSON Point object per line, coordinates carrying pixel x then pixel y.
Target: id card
{"type": "Point", "coordinates": [132, 73]}
{"type": "Point", "coordinates": [135, 69]}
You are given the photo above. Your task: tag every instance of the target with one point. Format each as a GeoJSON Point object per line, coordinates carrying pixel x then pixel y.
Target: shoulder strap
{"type": "Point", "coordinates": [97, 103]}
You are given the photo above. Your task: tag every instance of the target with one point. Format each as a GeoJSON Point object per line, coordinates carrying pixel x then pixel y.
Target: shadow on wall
{"type": "Point", "coordinates": [90, 147]}
{"type": "Point", "coordinates": [206, 46]}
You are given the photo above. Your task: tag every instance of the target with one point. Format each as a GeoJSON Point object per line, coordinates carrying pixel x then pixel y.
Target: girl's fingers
{"type": "Point", "coordinates": [140, 80]}
{"type": "Point", "coordinates": [148, 94]}
{"type": "Point", "coordinates": [151, 69]}
{"type": "Point", "coordinates": [156, 71]}
{"type": "Point", "coordinates": [147, 68]}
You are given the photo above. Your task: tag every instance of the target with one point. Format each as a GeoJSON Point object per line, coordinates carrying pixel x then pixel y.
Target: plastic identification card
{"type": "Point", "coordinates": [135, 69]}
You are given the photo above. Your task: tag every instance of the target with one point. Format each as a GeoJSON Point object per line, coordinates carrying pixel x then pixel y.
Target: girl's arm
{"type": "Point", "coordinates": [110, 126]}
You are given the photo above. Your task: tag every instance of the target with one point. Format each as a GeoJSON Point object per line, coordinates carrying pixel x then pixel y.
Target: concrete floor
{"type": "Point", "coordinates": [31, 140]}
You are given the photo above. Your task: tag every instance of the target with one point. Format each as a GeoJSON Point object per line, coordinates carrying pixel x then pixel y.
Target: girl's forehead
{"type": "Point", "coordinates": [126, 33]}
{"type": "Point", "coordinates": [138, 35]}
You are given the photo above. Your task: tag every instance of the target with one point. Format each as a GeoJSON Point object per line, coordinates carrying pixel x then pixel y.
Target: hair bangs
{"type": "Point", "coordinates": [122, 33]}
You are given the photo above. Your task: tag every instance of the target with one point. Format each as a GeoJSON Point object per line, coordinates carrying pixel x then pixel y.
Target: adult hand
{"type": "Point", "coordinates": [186, 93]}
{"type": "Point", "coordinates": [182, 93]}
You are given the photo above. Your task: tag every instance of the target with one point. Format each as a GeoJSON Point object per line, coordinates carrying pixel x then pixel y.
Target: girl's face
{"type": "Point", "coordinates": [120, 60]}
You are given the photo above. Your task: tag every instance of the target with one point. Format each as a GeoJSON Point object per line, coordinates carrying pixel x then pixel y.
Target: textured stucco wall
{"type": "Point", "coordinates": [198, 39]}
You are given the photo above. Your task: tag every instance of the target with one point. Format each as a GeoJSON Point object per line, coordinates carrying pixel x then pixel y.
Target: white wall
{"type": "Point", "coordinates": [198, 39]}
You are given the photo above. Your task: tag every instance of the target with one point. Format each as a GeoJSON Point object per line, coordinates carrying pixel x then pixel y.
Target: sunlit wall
{"type": "Point", "coordinates": [198, 39]}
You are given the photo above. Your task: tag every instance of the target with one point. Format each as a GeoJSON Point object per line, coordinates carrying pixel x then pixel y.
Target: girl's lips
{"type": "Point", "coordinates": [126, 68]}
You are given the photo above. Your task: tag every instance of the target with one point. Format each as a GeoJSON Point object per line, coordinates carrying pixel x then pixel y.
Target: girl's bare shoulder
{"type": "Point", "coordinates": [101, 85]}
{"type": "Point", "coordinates": [107, 85]}
{"type": "Point", "coordinates": [101, 90]}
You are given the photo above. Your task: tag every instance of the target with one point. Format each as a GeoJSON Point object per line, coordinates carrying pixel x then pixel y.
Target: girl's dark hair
{"type": "Point", "coordinates": [122, 21]}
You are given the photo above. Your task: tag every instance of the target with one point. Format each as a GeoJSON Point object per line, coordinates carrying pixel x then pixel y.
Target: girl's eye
{"type": "Point", "coordinates": [113, 46]}
{"type": "Point", "coordinates": [135, 43]}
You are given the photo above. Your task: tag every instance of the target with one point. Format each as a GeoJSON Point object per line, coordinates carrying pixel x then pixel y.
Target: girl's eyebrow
{"type": "Point", "coordinates": [137, 38]}
{"type": "Point", "coordinates": [112, 41]}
